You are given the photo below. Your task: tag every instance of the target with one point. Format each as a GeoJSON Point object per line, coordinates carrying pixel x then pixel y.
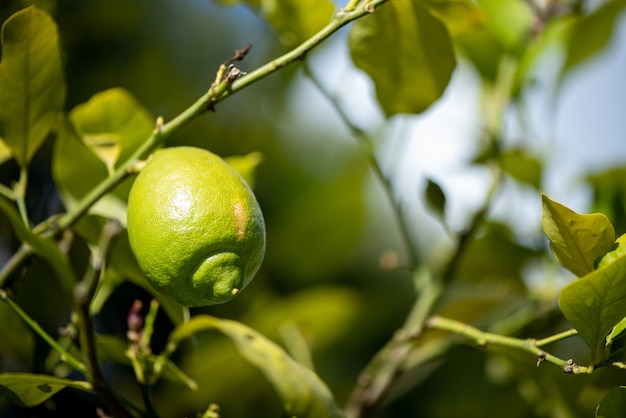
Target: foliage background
{"type": "Point", "coordinates": [328, 222]}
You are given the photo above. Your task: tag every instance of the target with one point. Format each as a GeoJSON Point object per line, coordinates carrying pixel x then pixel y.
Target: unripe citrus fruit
{"type": "Point", "coordinates": [195, 226]}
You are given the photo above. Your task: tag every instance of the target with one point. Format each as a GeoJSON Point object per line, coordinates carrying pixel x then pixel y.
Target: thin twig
{"type": "Point", "coordinates": [532, 346]}
{"type": "Point", "coordinates": [64, 355]}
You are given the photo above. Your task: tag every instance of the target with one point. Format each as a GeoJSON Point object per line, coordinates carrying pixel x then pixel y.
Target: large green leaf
{"type": "Point", "coordinates": [591, 34]}
{"type": "Point", "coordinates": [576, 240]}
{"type": "Point", "coordinates": [408, 54]}
{"type": "Point", "coordinates": [509, 21]}
{"type": "Point", "coordinates": [28, 390]}
{"type": "Point", "coordinates": [301, 391]}
{"type": "Point", "coordinates": [104, 132]}
{"type": "Point", "coordinates": [294, 20]}
{"type": "Point", "coordinates": [594, 304]}
{"type": "Point", "coordinates": [32, 87]}
{"type": "Point", "coordinates": [614, 404]}
{"type": "Point", "coordinates": [113, 124]}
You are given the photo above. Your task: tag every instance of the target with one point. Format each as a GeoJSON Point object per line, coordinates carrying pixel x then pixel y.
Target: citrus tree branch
{"type": "Point", "coordinates": [529, 345]}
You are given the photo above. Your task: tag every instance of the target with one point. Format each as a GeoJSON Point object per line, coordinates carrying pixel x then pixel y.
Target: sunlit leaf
{"type": "Point", "coordinates": [416, 51]}
{"type": "Point", "coordinates": [294, 20]}
{"type": "Point", "coordinates": [112, 119]}
{"type": "Point", "coordinates": [614, 404]}
{"type": "Point", "coordinates": [576, 240]}
{"type": "Point", "coordinates": [28, 390]}
{"type": "Point", "coordinates": [80, 161]}
{"type": "Point", "coordinates": [106, 147]}
{"type": "Point", "coordinates": [302, 392]}
{"type": "Point", "coordinates": [591, 34]}
{"type": "Point", "coordinates": [522, 167]}
{"type": "Point", "coordinates": [594, 304]}
{"type": "Point", "coordinates": [32, 86]}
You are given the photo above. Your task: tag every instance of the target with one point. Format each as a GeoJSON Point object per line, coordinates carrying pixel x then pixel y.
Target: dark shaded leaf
{"type": "Point", "coordinates": [614, 404]}
{"type": "Point", "coordinates": [436, 198]}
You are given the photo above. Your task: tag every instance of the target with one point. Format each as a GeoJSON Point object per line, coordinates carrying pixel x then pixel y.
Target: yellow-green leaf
{"type": "Point", "coordinates": [28, 390]}
{"type": "Point", "coordinates": [576, 240]}
{"type": "Point", "coordinates": [113, 118]}
{"type": "Point", "coordinates": [32, 86]}
{"type": "Point", "coordinates": [408, 54]}
{"type": "Point", "coordinates": [301, 391]}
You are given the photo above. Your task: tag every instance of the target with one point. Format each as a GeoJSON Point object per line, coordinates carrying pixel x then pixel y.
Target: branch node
{"type": "Point", "coordinates": [158, 128]}
{"type": "Point", "coordinates": [541, 356]}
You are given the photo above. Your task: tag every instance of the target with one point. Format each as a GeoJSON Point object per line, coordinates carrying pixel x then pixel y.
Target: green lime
{"type": "Point", "coordinates": [195, 227]}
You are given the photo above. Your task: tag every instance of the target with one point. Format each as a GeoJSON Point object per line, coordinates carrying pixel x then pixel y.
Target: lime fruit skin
{"type": "Point", "coordinates": [195, 227]}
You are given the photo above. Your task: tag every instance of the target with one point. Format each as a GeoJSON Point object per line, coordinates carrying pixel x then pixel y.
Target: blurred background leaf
{"type": "Point", "coordinates": [417, 52]}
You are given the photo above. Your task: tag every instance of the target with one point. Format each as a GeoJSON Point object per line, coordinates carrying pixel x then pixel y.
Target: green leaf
{"type": "Point", "coordinates": [302, 392]}
{"type": "Point", "coordinates": [503, 31]}
{"type": "Point", "coordinates": [28, 390]}
{"type": "Point", "coordinates": [509, 21]}
{"type": "Point", "coordinates": [614, 404]}
{"type": "Point", "coordinates": [436, 198]}
{"type": "Point", "coordinates": [294, 20]}
{"type": "Point", "coordinates": [522, 167]}
{"type": "Point", "coordinates": [32, 87]}
{"type": "Point", "coordinates": [577, 241]}
{"type": "Point", "coordinates": [104, 133]}
{"type": "Point", "coordinates": [618, 250]}
{"type": "Point", "coordinates": [591, 34]}
{"type": "Point", "coordinates": [416, 51]}
{"type": "Point", "coordinates": [43, 247]}
{"type": "Point", "coordinates": [113, 124]}
{"type": "Point", "coordinates": [594, 304]}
